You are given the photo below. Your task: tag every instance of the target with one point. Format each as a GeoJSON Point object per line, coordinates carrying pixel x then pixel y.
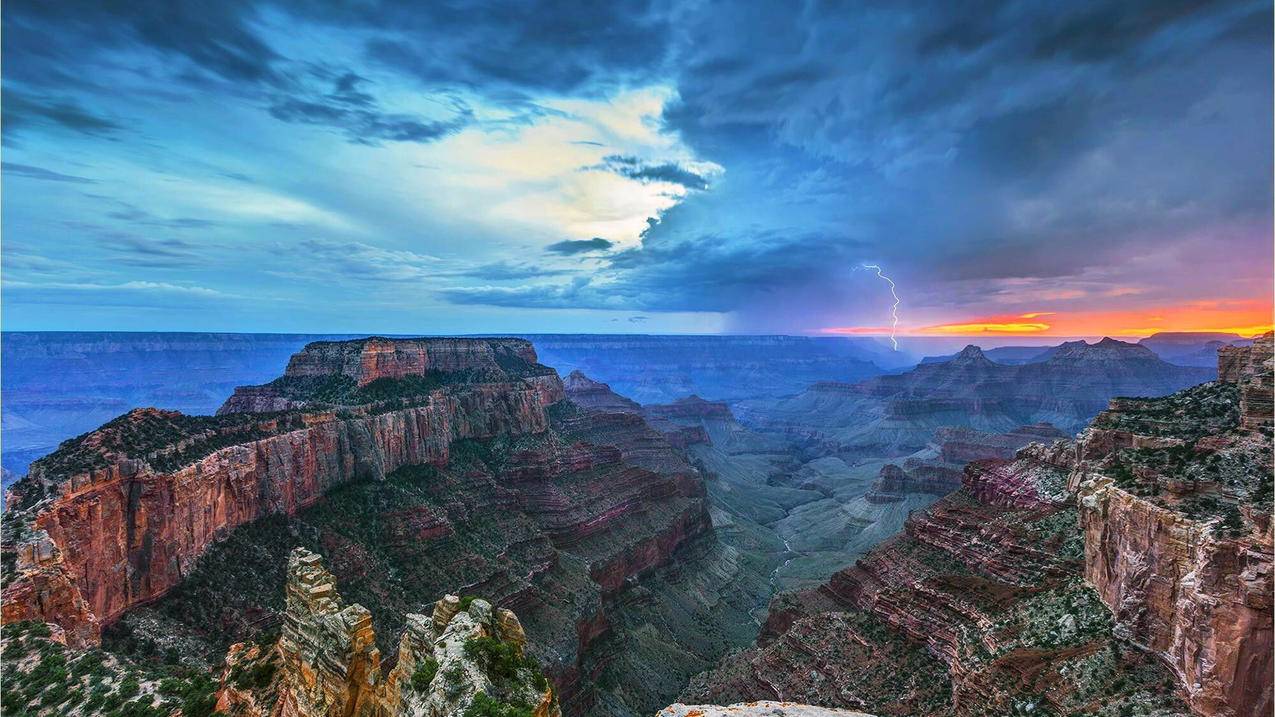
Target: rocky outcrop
{"type": "Point", "coordinates": [482, 477]}
{"type": "Point", "coordinates": [1202, 601]}
{"type": "Point", "coordinates": [690, 407]}
{"type": "Point", "coordinates": [37, 586]}
{"type": "Point", "coordinates": [953, 448]}
{"type": "Point", "coordinates": [129, 532]}
{"type": "Point", "coordinates": [646, 436]}
{"type": "Point", "coordinates": [327, 664]}
{"type": "Point", "coordinates": [1250, 367]}
{"type": "Point", "coordinates": [978, 608]}
{"type": "Point", "coordinates": [596, 396]}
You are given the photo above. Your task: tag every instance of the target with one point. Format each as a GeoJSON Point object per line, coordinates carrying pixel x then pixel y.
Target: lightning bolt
{"type": "Point", "coordinates": [894, 310]}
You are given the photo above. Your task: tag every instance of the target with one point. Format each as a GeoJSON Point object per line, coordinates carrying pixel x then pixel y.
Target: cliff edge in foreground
{"type": "Point", "coordinates": [464, 659]}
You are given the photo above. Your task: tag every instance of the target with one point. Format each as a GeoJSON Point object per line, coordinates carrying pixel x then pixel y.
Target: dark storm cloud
{"type": "Point", "coordinates": [983, 141]}
{"type": "Point", "coordinates": [704, 273]}
{"type": "Point", "coordinates": [214, 37]}
{"type": "Point", "coordinates": [634, 168]}
{"type": "Point", "coordinates": [579, 246]}
{"type": "Point", "coordinates": [22, 109]}
{"type": "Point", "coordinates": [957, 142]}
{"type": "Point", "coordinates": [552, 45]}
{"type": "Point", "coordinates": [365, 126]}
{"type": "Point", "coordinates": [342, 103]}
{"type": "Point", "coordinates": [502, 50]}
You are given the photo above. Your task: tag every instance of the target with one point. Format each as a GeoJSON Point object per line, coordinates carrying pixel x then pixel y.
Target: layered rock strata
{"type": "Point", "coordinates": [131, 506]}
{"type": "Point", "coordinates": [474, 474]}
{"type": "Point", "coordinates": [896, 415]}
{"type": "Point", "coordinates": [1064, 581]}
{"type": "Point", "coordinates": [938, 471]}
{"type": "Point", "coordinates": [1174, 501]}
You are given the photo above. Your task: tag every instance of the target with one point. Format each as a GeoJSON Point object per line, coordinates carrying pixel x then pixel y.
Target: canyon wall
{"type": "Point", "coordinates": [127, 531]}
{"type": "Point", "coordinates": [1196, 591]}
{"type": "Point", "coordinates": [414, 469]}
{"type": "Point", "coordinates": [1075, 576]}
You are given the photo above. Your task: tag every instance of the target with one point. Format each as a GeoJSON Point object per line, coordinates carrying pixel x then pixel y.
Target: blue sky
{"type": "Point", "coordinates": [636, 166]}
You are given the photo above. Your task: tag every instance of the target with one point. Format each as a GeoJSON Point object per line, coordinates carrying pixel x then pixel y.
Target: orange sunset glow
{"type": "Point", "coordinates": [1247, 318]}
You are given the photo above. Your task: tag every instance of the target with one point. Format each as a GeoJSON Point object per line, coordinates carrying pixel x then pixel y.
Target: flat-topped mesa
{"type": "Point", "coordinates": [376, 370]}
{"type": "Point", "coordinates": [133, 504]}
{"type": "Point", "coordinates": [326, 661]}
{"type": "Point", "coordinates": [366, 360]}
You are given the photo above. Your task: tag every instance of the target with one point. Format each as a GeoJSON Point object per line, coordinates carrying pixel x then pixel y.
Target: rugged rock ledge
{"type": "Point", "coordinates": [1174, 501]}
{"type": "Point", "coordinates": [326, 662]}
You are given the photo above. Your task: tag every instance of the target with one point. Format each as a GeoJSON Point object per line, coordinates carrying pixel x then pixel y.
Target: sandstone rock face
{"type": "Point", "coordinates": [38, 587]}
{"type": "Point", "coordinates": [331, 664]}
{"type": "Point", "coordinates": [978, 608]}
{"type": "Point", "coordinates": [678, 422]}
{"type": "Point", "coordinates": [1202, 602]}
{"type": "Point", "coordinates": [1251, 368]}
{"type": "Point", "coordinates": [129, 523]}
{"type": "Point", "coordinates": [326, 663]}
{"type": "Point", "coordinates": [484, 478]}
{"type": "Point", "coordinates": [755, 709]}
{"type": "Point", "coordinates": [1180, 585]}
{"type": "Point", "coordinates": [597, 396]}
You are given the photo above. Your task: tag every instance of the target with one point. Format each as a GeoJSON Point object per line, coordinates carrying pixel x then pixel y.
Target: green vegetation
{"type": "Point", "coordinates": [141, 432]}
{"type": "Point", "coordinates": [424, 674]}
{"type": "Point", "coordinates": [1206, 409]}
{"type": "Point", "coordinates": [255, 675]}
{"type": "Point", "coordinates": [501, 660]}
{"type": "Point", "coordinates": [484, 706]}
{"type": "Point", "coordinates": [43, 676]}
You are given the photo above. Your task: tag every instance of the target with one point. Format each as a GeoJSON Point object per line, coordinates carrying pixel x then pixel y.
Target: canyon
{"type": "Point", "coordinates": [639, 543]}
{"type": "Point", "coordinates": [1125, 572]}
{"type": "Point", "coordinates": [897, 414]}
{"type": "Point", "coordinates": [415, 466]}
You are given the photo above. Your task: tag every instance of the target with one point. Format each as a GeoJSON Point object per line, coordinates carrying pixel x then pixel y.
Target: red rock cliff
{"type": "Point", "coordinates": [129, 522]}
{"type": "Point", "coordinates": [1185, 586]}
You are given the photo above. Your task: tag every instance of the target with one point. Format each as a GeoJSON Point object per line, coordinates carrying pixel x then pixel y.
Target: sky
{"type": "Point", "coordinates": [1014, 168]}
